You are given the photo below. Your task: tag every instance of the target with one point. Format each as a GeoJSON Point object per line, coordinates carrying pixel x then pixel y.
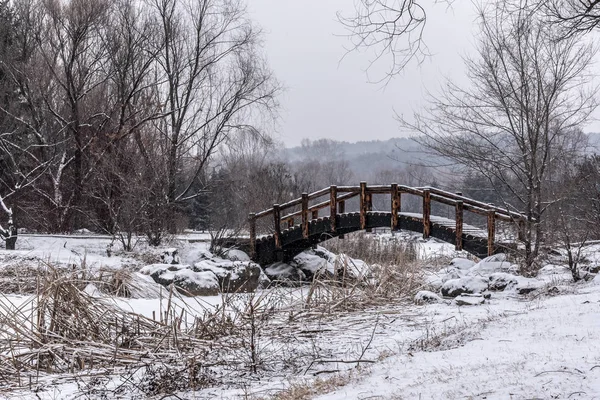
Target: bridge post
{"type": "Point", "coordinates": [426, 213]}
{"type": "Point", "coordinates": [363, 205]}
{"type": "Point", "coordinates": [333, 207]}
{"type": "Point", "coordinates": [277, 220]}
{"type": "Point", "coordinates": [491, 226]}
{"type": "Point", "coordinates": [305, 215]}
{"type": "Point", "coordinates": [290, 223]}
{"type": "Point", "coordinates": [395, 207]}
{"type": "Point", "coordinates": [369, 206]}
{"type": "Point", "coordinates": [459, 225]}
{"type": "Point", "coordinates": [341, 210]}
{"type": "Point", "coordinates": [252, 223]}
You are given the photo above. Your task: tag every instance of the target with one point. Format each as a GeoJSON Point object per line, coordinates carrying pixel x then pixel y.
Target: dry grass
{"type": "Point", "coordinates": [306, 391]}
{"type": "Point", "coordinates": [374, 249]}
{"type": "Point", "coordinates": [62, 329]}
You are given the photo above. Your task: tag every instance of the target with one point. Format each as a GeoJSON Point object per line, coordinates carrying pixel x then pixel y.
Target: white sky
{"type": "Point", "coordinates": [327, 97]}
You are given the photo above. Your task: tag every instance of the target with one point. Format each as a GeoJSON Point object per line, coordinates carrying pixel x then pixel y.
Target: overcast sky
{"type": "Point", "coordinates": [326, 97]}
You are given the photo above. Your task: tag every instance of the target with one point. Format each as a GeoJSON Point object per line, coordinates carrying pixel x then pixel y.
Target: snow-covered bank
{"type": "Point", "coordinates": [547, 350]}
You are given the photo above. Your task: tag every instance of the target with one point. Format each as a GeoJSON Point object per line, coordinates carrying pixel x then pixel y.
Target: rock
{"type": "Point", "coordinates": [486, 268]}
{"type": "Point", "coordinates": [193, 283]}
{"type": "Point", "coordinates": [552, 269]}
{"type": "Point", "coordinates": [236, 255]}
{"type": "Point", "coordinates": [469, 300]}
{"type": "Point", "coordinates": [498, 281]}
{"type": "Point", "coordinates": [169, 256]}
{"type": "Point", "coordinates": [468, 284]}
{"type": "Point", "coordinates": [184, 278]}
{"type": "Point", "coordinates": [500, 257]}
{"type": "Point", "coordinates": [522, 285]}
{"type": "Point", "coordinates": [283, 272]}
{"type": "Point", "coordinates": [233, 276]}
{"type": "Point", "coordinates": [462, 263]}
{"type": "Point", "coordinates": [312, 264]}
{"type": "Point", "coordinates": [352, 267]}
{"type": "Point", "coordinates": [596, 280]}
{"type": "Point", "coordinates": [427, 297]}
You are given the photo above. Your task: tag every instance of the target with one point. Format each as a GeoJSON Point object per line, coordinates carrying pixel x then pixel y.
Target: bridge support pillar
{"type": "Point", "coordinates": [333, 207]}
{"type": "Point", "coordinates": [341, 210]}
{"type": "Point", "coordinates": [459, 225]}
{"type": "Point", "coordinates": [363, 205]}
{"type": "Point", "coordinates": [426, 213]}
{"type": "Point", "coordinates": [305, 215]}
{"type": "Point", "coordinates": [491, 226]}
{"type": "Point", "coordinates": [395, 207]}
{"type": "Point", "coordinates": [277, 230]}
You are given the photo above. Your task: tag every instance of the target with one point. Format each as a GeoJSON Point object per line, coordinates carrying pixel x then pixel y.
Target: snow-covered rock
{"type": "Point", "coordinates": [426, 297]}
{"type": "Point", "coordinates": [490, 265]}
{"type": "Point", "coordinates": [469, 300]}
{"type": "Point", "coordinates": [498, 281]}
{"type": "Point", "coordinates": [199, 279]}
{"type": "Point", "coordinates": [233, 276]}
{"type": "Point", "coordinates": [236, 255]}
{"type": "Point", "coordinates": [184, 278]}
{"type": "Point", "coordinates": [283, 272]}
{"type": "Point", "coordinates": [467, 284]}
{"type": "Point", "coordinates": [170, 256]}
{"type": "Point", "coordinates": [462, 263]}
{"type": "Point", "coordinates": [526, 285]}
{"type": "Point", "coordinates": [437, 279]}
{"type": "Point", "coordinates": [351, 267]}
{"type": "Point", "coordinates": [312, 264]}
{"type": "Point", "coordinates": [552, 269]}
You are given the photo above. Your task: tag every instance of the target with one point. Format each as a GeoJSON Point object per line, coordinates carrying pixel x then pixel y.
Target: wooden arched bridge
{"type": "Point", "coordinates": [303, 227]}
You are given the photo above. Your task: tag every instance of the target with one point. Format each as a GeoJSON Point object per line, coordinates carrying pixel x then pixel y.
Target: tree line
{"type": "Point", "coordinates": [110, 110]}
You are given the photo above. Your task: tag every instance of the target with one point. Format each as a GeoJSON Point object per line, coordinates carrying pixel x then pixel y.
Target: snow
{"type": "Point", "coordinates": [512, 345]}
{"type": "Point", "coordinates": [425, 296]}
{"type": "Point", "coordinates": [549, 349]}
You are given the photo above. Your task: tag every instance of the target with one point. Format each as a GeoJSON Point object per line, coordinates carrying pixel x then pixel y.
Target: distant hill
{"type": "Point", "coordinates": [366, 158]}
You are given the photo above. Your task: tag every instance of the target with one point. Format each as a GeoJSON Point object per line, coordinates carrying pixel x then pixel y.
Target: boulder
{"type": "Point", "coordinates": [184, 278]}
{"type": "Point", "coordinates": [169, 256]}
{"type": "Point", "coordinates": [236, 255]}
{"type": "Point", "coordinates": [233, 276]}
{"type": "Point", "coordinates": [461, 263]}
{"type": "Point", "coordinates": [498, 281]}
{"type": "Point", "coordinates": [427, 297]}
{"type": "Point", "coordinates": [283, 272]}
{"type": "Point", "coordinates": [469, 300]}
{"type": "Point", "coordinates": [526, 285]}
{"type": "Point", "coordinates": [312, 264]}
{"type": "Point", "coordinates": [486, 268]}
{"type": "Point", "coordinates": [467, 284]}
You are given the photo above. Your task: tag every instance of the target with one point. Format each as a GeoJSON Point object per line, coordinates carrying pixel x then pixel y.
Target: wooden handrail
{"type": "Point", "coordinates": [337, 196]}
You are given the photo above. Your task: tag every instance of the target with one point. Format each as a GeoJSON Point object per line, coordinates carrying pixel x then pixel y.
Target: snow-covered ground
{"type": "Point", "coordinates": [543, 345]}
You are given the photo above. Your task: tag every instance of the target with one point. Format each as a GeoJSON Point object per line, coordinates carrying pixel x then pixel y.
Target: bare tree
{"type": "Point", "coordinates": [393, 29]}
{"type": "Point", "coordinates": [214, 78]}
{"type": "Point", "coordinates": [574, 17]}
{"type": "Point", "coordinates": [528, 96]}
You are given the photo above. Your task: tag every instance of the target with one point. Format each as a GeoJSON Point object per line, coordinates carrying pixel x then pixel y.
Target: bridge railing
{"type": "Point", "coordinates": [338, 195]}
